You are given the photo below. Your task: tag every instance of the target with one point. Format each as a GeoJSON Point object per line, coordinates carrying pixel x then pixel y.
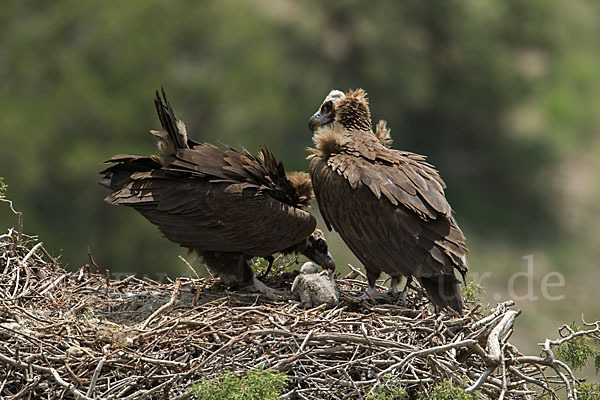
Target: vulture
{"type": "Point", "coordinates": [387, 205]}
{"type": "Point", "coordinates": [314, 288]}
{"type": "Point", "coordinates": [227, 206]}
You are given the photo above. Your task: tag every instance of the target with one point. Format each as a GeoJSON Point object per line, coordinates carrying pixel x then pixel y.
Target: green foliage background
{"type": "Point", "coordinates": [503, 96]}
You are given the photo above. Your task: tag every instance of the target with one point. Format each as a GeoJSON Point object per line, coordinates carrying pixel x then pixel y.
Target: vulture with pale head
{"type": "Point", "coordinates": [387, 205]}
{"type": "Point", "coordinates": [226, 205]}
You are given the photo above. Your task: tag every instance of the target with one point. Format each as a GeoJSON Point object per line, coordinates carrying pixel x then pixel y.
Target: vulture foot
{"type": "Point", "coordinates": [393, 290]}
{"type": "Point", "coordinates": [404, 291]}
{"type": "Point", "coordinates": [269, 293]}
{"type": "Point", "coordinates": [395, 295]}
{"type": "Point", "coordinates": [372, 294]}
{"type": "Point", "coordinates": [405, 297]}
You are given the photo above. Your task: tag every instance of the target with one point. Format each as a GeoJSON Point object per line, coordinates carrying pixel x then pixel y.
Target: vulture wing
{"type": "Point", "coordinates": [384, 233]}
{"type": "Point", "coordinates": [207, 199]}
{"type": "Point", "coordinates": [210, 199]}
{"type": "Point", "coordinates": [403, 178]}
{"type": "Point", "coordinates": [390, 209]}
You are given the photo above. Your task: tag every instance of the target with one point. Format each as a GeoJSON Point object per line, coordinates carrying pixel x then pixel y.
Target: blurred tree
{"type": "Point", "coordinates": [498, 94]}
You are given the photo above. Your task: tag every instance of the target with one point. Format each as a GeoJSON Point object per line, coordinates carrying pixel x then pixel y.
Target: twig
{"type": "Point", "coordinates": [505, 324]}
{"type": "Point", "coordinates": [46, 370]}
{"type": "Point", "coordinates": [189, 266]}
{"type": "Point", "coordinates": [53, 284]}
{"type": "Point", "coordinates": [165, 306]}
{"type": "Point", "coordinates": [424, 352]}
{"type": "Point", "coordinates": [92, 261]}
{"type": "Point", "coordinates": [116, 346]}
{"type": "Point", "coordinates": [357, 271]}
{"type": "Point", "coordinates": [481, 379]}
{"type": "Point", "coordinates": [31, 252]}
{"type": "Point", "coordinates": [92, 387]}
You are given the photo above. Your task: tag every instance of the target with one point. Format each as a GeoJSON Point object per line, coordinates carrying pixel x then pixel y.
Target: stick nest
{"type": "Point", "coordinates": [80, 335]}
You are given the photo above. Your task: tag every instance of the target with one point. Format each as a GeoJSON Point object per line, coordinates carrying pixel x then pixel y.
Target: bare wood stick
{"type": "Point", "coordinates": [52, 259]}
{"type": "Point", "coordinates": [573, 335]}
{"type": "Point", "coordinates": [500, 309]}
{"type": "Point", "coordinates": [165, 306]}
{"type": "Point", "coordinates": [72, 374]}
{"type": "Point", "coordinates": [189, 266]}
{"type": "Point", "coordinates": [31, 252]}
{"type": "Point", "coordinates": [306, 339]}
{"type": "Point", "coordinates": [53, 284]}
{"type": "Point", "coordinates": [27, 389]}
{"type": "Point", "coordinates": [92, 261]}
{"type": "Point", "coordinates": [46, 370]}
{"type": "Point", "coordinates": [357, 271]}
{"type": "Point", "coordinates": [529, 379]}
{"type": "Point", "coordinates": [481, 379]}
{"type": "Point", "coordinates": [425, 352]}
{"type": "Point", "coordinates": [17, 278]}
{"type": "Point", "coordinates": [92, 387]}
{"type": "Point", "coordinates": [20, 225]}
{"type": "Point", "coordinates": [168, 363]}
{"type": "Point", "coordinates": [505, 324]}
{"type": "Point", "coordinates": [145, 394]}
{"type": "Point", "coordinates": [185, 395]}
{"type": "Point", "coordinates": [283, 363]}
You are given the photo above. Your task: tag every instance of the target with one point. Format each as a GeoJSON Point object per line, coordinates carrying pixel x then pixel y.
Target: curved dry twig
{"type": "Point", "coordinates": [65, 331]}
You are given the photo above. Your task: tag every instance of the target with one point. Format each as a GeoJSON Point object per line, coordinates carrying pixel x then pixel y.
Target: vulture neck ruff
{"type": "Point", "coordinates": [328, 140]}
{"type": "Point", "coordinates": [301, 183]}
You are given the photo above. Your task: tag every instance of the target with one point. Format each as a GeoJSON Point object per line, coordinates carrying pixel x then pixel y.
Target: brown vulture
{"type": "Point", "coordinates": [387, 205]}
{"type": "Point", "coordinates": [226, 205]}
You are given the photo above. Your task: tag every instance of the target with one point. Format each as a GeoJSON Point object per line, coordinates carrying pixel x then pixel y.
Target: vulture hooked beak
{"type": "Point", "coordinates": [319, 119]}
{"type": "Point", "coordinates": [316, 250]}
{"type": "Point", "coordinates": [325, 260]}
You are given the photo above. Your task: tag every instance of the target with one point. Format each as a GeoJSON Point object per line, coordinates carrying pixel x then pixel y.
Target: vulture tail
{"type": "Point", "coordinates": [174, 135]}
{"type": "Point", "coordinates": [444, 291]}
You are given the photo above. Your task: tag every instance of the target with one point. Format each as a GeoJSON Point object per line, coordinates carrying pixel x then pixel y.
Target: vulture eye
{"type": "Point", "coordinates": [326, 107]}
{"type": "Point", "coordinates": [321, 245]}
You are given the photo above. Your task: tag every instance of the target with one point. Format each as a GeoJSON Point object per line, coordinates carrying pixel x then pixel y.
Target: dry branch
{"type": "Point", "coordinates": [71, 333]}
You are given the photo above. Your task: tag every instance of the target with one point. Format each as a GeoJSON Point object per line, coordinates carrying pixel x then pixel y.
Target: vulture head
{"type": "Point", "coordinates": [315, 249]}
{"type": "Point", "coordinates": [350, 110]}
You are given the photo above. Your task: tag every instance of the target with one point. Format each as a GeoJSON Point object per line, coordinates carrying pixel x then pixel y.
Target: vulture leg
{"type": "Point", "coordinates": [405, 290]}
{"type": "Point", "coordinates": [269, 293]}
{"type": "Point", "coordinates": [234, 271]}
{"type": "Point", "coordinates": [372, 292]}
{"type": "Point", "coordinates": [393, 290]}
{"type": "Point", "coordinates": [270, 259]}
{"type": "Point", "coordinates": [230, 268]}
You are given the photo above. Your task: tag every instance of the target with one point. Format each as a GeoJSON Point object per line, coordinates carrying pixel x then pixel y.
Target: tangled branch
{"type": "Point", "coordinates": [76, 334]}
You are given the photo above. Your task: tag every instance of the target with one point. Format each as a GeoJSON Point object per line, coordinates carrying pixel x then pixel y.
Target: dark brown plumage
{"type": "Point", "coordinates": [226, 205]}
{"type": "Point", "coordinates": [388, 205]}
